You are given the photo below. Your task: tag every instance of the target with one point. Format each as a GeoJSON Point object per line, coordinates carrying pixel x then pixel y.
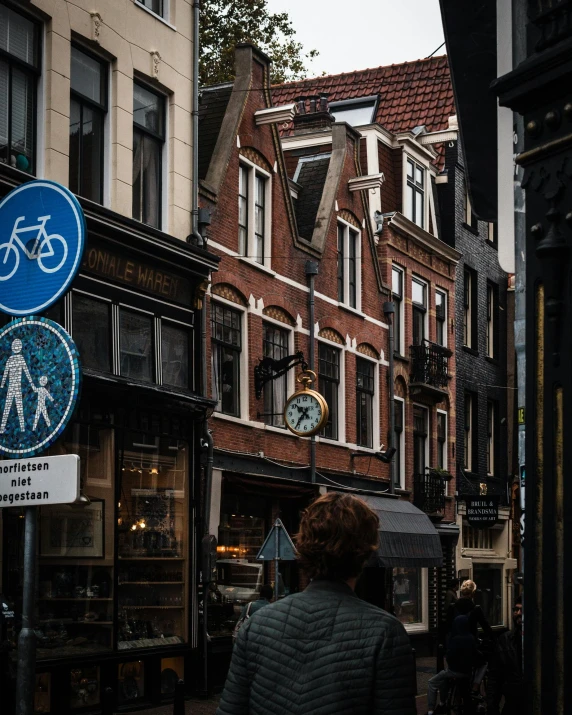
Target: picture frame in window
{"type": "Point", "coordinates": [73, 530]}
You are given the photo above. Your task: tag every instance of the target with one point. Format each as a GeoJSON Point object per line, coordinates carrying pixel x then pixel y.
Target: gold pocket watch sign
{"type": "Point", "coordinates": [306, 411]}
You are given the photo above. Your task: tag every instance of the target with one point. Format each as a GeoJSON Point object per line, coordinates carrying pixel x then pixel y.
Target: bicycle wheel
{"type": "Point", "coordinates": [8, 264]}
{"type": "Point", "coordinates": [57, 257]}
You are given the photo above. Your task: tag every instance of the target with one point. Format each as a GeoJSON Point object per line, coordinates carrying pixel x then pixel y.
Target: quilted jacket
{"type": "Point", "coordinates": [320, 652]}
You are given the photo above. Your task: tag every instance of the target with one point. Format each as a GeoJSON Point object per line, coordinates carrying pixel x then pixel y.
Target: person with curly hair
{"type": "Point", "coordinates": [324, 650]}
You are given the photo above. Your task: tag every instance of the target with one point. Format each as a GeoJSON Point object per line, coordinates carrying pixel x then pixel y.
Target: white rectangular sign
{"type": "Point", "coordinates": [39, 480]}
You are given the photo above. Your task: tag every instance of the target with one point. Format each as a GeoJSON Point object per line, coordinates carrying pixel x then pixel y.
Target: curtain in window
{"type": "Point", "coordinates": [22, 116]}
{"type": "Point", "coordinates": [146, 179]}
{"type": "Point", "coordinates": [17, 35]}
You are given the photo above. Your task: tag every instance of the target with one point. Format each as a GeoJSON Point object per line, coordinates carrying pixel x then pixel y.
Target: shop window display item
{"type": "Point", "coordinates": [152, 527]}
{"type": "Point", "coordinates": [84, 687]}
{"type": "Point", "coordinates": [131, 681]}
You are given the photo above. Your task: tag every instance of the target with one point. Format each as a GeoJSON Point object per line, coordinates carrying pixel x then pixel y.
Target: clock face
{"type": "Point", "coordinates": [304, 413]}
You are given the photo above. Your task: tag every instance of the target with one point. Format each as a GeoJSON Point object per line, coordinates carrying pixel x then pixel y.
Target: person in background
{"type": "Point", "coordinates": [264, 598]}
{"type": "Point", "coordinates": [505, 670]}
{"type": "Point", "coordinates": [461, 654]}
{"type": "Point", "coordinates": [451, 593]}
{"type": "Point", "coordinates": [465, 606]}
{"type": "Point", "coordinates": [324, 650]}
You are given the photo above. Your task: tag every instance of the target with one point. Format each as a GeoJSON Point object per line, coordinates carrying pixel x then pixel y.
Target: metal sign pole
{"type": "Point", "coordinates": [25, 684]}
{"type": "Point", "coordinates": [276, 558]}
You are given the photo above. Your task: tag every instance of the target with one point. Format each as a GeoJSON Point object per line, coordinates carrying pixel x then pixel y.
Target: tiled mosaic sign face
{"type": "Point", "coordinates": [42, 236]}
{"type": "Point", "coordinates": [40, 378]}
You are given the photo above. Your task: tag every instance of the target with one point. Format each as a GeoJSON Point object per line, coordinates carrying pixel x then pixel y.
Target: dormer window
{"type": "Point", "coordinates": [349, 266]}
{"type": "Point", "coordinates": [253, 213]}
{"type": "Point", "coordinates": [415, 193]}
{"type": "Point", "coordinates": [356, 112]}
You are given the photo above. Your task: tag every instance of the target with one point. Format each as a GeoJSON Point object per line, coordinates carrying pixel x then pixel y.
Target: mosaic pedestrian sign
{"type": "Point", "coordinates": [40, 378]}
{"type": "Point", "coordinates": [42, 237]}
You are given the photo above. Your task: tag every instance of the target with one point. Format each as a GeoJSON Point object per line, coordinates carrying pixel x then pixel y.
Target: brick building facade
{"type": "Point", "coordinates": [291, 184]}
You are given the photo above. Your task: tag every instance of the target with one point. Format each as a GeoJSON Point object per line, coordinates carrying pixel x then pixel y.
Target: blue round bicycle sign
{"type": "Point", "coordinates": [42, 236]}
{"type": "Point", "coordinates": [40, 378]}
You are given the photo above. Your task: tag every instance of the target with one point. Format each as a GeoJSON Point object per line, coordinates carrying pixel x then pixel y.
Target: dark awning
{"type": "Point", "coordinates": [407, 536]}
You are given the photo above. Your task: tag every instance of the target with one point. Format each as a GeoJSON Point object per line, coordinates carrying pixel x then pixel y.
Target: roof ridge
{"type": "Point", "coordinates": [354, 72]}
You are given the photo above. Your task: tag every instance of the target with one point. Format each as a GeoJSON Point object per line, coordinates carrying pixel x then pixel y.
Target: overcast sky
{"type": "Point", "coordinates": [356, 34]}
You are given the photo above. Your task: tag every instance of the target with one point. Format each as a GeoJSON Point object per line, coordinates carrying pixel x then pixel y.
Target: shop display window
{"type": "Point", "coordinates": [488, 595]}
{"type": "Point", "coordinates": [408, 595]}
{"type": "Point", "coordinates": [84, 687]}
{"type": "Point", "coordinates": [130, 681]}
{"type": "Point", "coordinates": [75, 564]}
{"type": "Point", "coordinates": [245, 521]}
{"type": "Point", "coordinates": [242, 531]}
{"type": "Point", "coordinates": [152, 543]}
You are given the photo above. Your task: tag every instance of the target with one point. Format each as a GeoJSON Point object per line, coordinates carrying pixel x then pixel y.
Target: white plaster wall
{"type": "Point", "coordinates": [128, 36]}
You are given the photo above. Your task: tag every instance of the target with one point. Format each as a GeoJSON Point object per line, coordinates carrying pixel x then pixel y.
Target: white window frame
{"type": "Point", "coordinates": [165, 17]}
{"type": "Point", "coordinates": [421, 281]}
{"type": "Point", "coordinates": [250, 255]}
{"type": "Point", "coordinates": [290, 375]}
{"type": "Point", "coordinates": [400, 349]}
{"type": "Point", "coordinates": [491, 420]}
{"type": "Point", "coordinates": [468, 309]}
{"type": "Point", "coordinates": [401, 446]}
{"type": "Point", "coordinates": [490, 332]}
{"type": "Point", "coordinates": [445, 295]}
{"type": "Point", "coordinates": [243, 370]}
{"type": "Point", "coordinates": [428, 439]}
{"type": "Point", "coordinates": [468, 444]}
{"type": "Point", "coordinates": [165, 154]}
{"type": "Point", "coordinates": [346, 257]}
{"type": "Point", "coordinates": [341, 394]}
{"type": "Point", "coordinates": [423, 626]}
{"type": "Point", "coordinates": [425, 169]}
{"type": "Point", "coordinates": [446, 450]}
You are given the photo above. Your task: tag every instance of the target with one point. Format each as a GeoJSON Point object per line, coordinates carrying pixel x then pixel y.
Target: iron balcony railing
{"type": "Point", "coordinates": [430, 364]}
{"type": "Point", "coordinates": [429, 492]}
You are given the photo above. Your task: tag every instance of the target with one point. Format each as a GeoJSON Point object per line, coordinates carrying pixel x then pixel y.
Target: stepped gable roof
{"type": "Point", "coordinates": [212, 108]}
{"type": "Point", "coordinates": [312, 178]}
{"type": "Point", "coordinates": [410, 94]}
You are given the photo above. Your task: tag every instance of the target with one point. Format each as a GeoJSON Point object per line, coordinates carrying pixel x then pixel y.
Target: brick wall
{"type": "Point", "coordinates": [285, 286]}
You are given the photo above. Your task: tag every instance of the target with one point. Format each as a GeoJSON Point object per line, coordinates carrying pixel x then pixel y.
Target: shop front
{"type": "Point", "coordinates": [484, 556]}
{"type": "Point", "coordinates": [244, 509]}
{"type": "Point", "coordinates": [242, 517]}
{"type": "Point", "coordinates": [116, 575]}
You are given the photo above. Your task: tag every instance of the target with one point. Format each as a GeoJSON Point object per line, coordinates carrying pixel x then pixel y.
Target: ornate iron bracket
{"type": "Point", "coordinates": [269, 369]}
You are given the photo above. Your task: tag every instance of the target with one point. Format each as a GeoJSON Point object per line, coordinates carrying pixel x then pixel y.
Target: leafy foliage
{"type": "Point", "coordinates": [226, 23]}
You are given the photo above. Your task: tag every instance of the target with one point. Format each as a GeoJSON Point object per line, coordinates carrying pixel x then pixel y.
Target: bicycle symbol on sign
{"type": "Point", "coordinates": [40, 250]}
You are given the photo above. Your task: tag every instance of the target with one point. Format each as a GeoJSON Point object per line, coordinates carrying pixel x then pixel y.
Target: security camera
{"type": "Point", "coordinates": [378, 218]}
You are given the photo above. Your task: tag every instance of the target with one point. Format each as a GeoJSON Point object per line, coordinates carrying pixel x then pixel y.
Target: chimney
{"type": "Point", "coordinates": [313, 114]}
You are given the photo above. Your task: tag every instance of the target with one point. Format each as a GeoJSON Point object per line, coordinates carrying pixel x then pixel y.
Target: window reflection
{"type": "Point", "coordinates": [407, 595]}
{"type": "Point", "coordinates": [175, 356]}
{"type": "Point", "coordinates": [136, 345]}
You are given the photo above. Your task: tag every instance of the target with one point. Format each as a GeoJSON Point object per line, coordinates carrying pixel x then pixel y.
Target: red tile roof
{"type": "Point", "coordinates": [410, 94]}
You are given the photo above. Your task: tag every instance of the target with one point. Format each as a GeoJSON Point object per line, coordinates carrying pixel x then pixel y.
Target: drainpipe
{"type": "Point", "coordinates": [389, 311]}
{"type": "Point", "coordinates": [195, 236]}
{"type": "Point", "coordinates": [197, 239]}
{"type": "Point", "coordinates": [311, 273]}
